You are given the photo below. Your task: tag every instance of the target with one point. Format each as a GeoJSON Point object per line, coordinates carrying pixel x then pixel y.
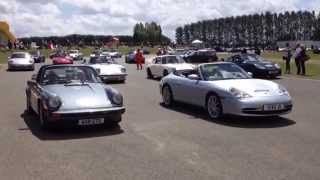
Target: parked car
{"type": "Point", "coordinates": [115, 54]}
{"type": "Point", "coordinates": [72, 95]}
{"type": "Point", "coordinates": [145, 51]}
{"type": "Point", "coordinates": [62, 60]}
{"type": "Point", "coordinates": [201, 56]}
{"type": "Point", "coordinates": [20, 61]}
{"type": "Point", "coordinates": [130, 58]}
{"type": "Point", "coordinates": [225, 88]}
{"type": "Point", "coordinates": [75, 54]}
{"type": "Point", "coordinates": [37, 56]}
{"type": "Point", "coordinates": [258, 66]}
{"type": "Point", "coordinates": [163, 65]}
{"type": "Point", "coordinates": [107, 69]}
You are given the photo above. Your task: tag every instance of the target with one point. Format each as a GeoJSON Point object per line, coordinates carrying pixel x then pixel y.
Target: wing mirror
{"type": "Point", "coordinates": [193, 77]}
{"type": "Point", "coordinates": [250, 74]}
{"type": "Point", "coordinates": [34, 77]}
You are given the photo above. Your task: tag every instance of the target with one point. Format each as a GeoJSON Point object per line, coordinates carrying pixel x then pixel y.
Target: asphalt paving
{"type": "Point", "coordinates": [155, 142]}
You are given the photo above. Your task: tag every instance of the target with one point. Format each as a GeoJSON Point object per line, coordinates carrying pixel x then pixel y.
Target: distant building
{"type": "Point", "coordinates": [5, 34]}
{"type": "Point", "coordinates": [292, 44]}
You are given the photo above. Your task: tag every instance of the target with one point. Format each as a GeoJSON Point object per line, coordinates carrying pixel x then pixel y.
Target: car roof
{"type": "Point", "coordinates": [215, 63]}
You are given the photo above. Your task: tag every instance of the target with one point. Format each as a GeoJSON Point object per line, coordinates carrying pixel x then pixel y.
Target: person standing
{"type": "Point", "coordinates": [297, 58]}
{"type": "Point", "coordinates": [139, 59]}
{"type": "Point", "coordinates": [287, 58]}
{"type": "Point", "coordinates": [303, 58]}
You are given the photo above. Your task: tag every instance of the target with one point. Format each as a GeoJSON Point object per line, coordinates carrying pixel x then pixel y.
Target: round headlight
{"type": "Point", "coordinates": [54, 102]}
{"type": "Point", "coordinates": [117, 99]}
{"type": "Point", "coordinates": [123, 70]}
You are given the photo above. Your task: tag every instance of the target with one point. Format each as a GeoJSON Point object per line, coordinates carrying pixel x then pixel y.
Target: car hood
{"type": "Point", "coordinates": [92, 95]}
{"type": "Point", "coordinates": [108, 69]}
{"type": "Point", "coordinates": [20, 60]}
{"type": "Point", "coordinates": [182, 66]}
{"type": "Point", "coordinates": [254, 87]}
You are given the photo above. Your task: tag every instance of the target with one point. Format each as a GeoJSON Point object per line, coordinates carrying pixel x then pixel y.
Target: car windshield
{"type": "Point", "coordinates": [73, 51]}
{"type": "Point", "coordinates": [18, 55]}
{"type": "Point", "coordinates": [174, 60]}
{"type": "Point", "coordinates": [101, 60]}
{"type": "Point", "coordinates": [212, 72]}
{"type": "Point", "coordinates": [253, 58]}
{"type": "Point", "coordinates": [68, 75]}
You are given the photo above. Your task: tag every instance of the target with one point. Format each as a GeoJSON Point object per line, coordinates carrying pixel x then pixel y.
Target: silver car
{"type": "Point", "coordinates": [20, 60]}
{"type": "Point", "coordinates": [72, 95]}
{"type": "Point", "coordinates": [225, 88]}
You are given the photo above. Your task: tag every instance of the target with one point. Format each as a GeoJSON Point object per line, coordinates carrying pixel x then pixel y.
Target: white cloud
{"type": "Point", "coordinates": [60, 17]}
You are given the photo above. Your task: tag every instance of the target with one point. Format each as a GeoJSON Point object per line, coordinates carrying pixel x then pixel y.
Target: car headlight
{"type": "Point", "coordinates": [98, 70]}
{"type": "Point", "coordinates": [53, 103]}
{"type": "Point", "coordinates": [259, 66]}
{"type": "Point", "coordinates": [239, 94]}
{"type": "Point", "coordinates": [283, 91]}
{"type": "Point", "coordinates": [277, 66]}
{"type": "Point", "coordinates": [115, 97]}
{"type": "Point", "coordinates": [123, 70]}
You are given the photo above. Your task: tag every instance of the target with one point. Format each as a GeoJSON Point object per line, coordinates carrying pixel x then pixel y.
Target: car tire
{"type": "Point", "coordinates": [165, 73]}
{"type": "Point", "coordinates": [43, 118]}
{"type": "Point", "coordinates": [167, 96]}
{"type": "Point", "coordinates": [149, 74]}
{"type": "Point", "coordinates": [28, 105]}
{"type": "Point", "coordinates": [214, 107]}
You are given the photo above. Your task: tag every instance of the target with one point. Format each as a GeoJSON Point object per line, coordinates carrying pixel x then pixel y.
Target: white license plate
{"type": "Point", "coordinates": [273, 107]}
{"type": "Point", "coordinates": [86, 122]}
{"type": "Point", "coordinates": [273, 72]}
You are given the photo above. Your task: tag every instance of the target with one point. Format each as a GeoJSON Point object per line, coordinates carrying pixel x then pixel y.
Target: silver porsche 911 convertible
{"type": "Point", "coordinates": [225, 88]}
{"type": "Point", "coordinates": [72, 95]}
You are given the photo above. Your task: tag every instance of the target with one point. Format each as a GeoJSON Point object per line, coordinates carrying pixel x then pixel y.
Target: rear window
{"type": "Point", "coordinates": [18, 55]}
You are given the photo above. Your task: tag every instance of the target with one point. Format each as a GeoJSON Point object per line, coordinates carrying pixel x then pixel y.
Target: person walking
{"type": "Point", "coordinates": [287, 58]}
{"type": "Point", "coordinates": [139, 59]}
{"type": "Point", "coordinates": [297, 58]}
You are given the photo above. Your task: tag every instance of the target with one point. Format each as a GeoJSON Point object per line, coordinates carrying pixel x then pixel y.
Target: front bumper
{"type": "Point", "coordinates": [72, 117]}
{"type": "Point", "coordinates": [114, 77]}
{"type": "Point", "coordinates": [20, 66]}
{"type": "Point", "coordinates": [269, 72]}
{"type": "Point", "coordinates": [254, 106]}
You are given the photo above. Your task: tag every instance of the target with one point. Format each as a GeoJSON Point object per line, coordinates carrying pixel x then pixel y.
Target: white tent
{"type": "Point", "coordinates": [197, 41]}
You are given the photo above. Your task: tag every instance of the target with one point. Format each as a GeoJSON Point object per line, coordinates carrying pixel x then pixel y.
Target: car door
{"type": "Point", "coordinates": [34, 90]}
{"type": "Point", "coordinates": [155, 67]}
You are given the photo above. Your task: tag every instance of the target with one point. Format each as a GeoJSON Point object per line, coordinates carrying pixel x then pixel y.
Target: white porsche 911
{"type": "Point", "coordinates": [161, 66]}
{"type": "Point", "coordinates": [107, 69]}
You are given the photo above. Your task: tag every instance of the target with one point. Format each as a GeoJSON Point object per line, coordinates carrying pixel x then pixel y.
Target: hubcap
{"type": "Point", "coordinates": [166, 95]}
{"type": "Point", "coordinates": [214, 108]}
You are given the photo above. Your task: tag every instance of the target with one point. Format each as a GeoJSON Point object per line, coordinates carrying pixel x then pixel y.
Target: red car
{"type": "Point", "coordinates": [62, 60]}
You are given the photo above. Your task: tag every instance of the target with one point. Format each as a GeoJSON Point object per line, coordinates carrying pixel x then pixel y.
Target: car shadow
{"type": "Point", "coordinates": [19, 70]}
{"type": "Point", "coordinates": [232, 121]}
{"type": "Point", "coordinates": [33, 126]}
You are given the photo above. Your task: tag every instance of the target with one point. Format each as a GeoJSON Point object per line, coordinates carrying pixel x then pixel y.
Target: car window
{"type": "Point", "coordinates": [68, 74]}
{"type": "Point", "coordinates": [211, 72]}
{"type": "Point", "coordinates": [18, 55]}
{"type": "Point", "coordinates": [158, 60]}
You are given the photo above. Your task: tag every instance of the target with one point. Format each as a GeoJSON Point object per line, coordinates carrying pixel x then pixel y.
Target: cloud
{"type": "Point", "coordinates": [61, 17]}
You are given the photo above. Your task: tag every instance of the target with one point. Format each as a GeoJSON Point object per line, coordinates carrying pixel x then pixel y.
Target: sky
{"type": "Point", "coordinates": [117, 17]}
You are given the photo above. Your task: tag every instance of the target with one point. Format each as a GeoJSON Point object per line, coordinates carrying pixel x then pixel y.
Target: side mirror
{"type": "Point", "coordinates": [34, 77]}
{"type": "Point", "coordinates": [193, 77]}
{"type": "Point", "coordinates": [250, 74]}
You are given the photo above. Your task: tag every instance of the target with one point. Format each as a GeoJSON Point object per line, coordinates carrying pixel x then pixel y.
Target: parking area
{"type": "Point", "coordinates": [155, 142]}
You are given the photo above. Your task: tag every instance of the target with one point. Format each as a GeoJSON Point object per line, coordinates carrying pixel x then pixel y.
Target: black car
{"type": "Point", "coordinates": [201, 56]}
{"type": "Point", "coordinates": [38, 57]}
{"type": "Point", "coordinates": [259, 67]}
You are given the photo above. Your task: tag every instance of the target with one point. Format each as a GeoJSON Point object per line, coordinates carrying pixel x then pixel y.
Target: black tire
{"type": "Point", "coordinates": [149, 74]}
{"type": "Point", "coordinates": [167, 96]}
{"type": "Point", "coordinates": [214, 106]}
{"type": "Point", "coordinates": [28, 105]}
{"type": "Point", "coordinates": [165, 73]}
{"type": "Point", "coordinates": [43, 118]}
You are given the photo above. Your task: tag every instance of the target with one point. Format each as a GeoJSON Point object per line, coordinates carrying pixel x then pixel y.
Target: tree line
{"type": "Point", "coordinates": [149, 34]}
{"type": "Point", "coordinates": [143, 34]}
{"type": "Point", "coordinates": [256, 30]}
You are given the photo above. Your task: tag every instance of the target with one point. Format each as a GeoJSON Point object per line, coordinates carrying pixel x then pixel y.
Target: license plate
{"type": "Point", "coordinates": [86, 122]}
{"type": "Point", "coordinates": [273, 72]}
{"type": "Point", "coordinates": [273, 107]}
